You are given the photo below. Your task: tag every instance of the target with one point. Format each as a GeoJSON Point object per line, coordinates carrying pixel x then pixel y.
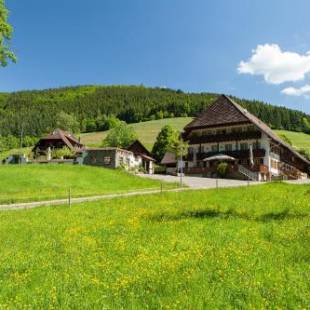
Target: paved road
{"type": "Point", "coordinates": [201, 183]}
{"type": "Point", "coordinates": [205, 183]}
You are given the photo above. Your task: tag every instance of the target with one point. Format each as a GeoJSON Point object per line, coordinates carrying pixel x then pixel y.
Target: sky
{"type": "Point", "coordinates": [254, 49]}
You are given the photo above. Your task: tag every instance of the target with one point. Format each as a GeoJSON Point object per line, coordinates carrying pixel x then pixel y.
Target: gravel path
{"type": "Point", "coordinates": [57, 202]}
{"type": "Point", "coordinates": [190, 182]}
{"type": "Point", "coordinates": [201, 183]}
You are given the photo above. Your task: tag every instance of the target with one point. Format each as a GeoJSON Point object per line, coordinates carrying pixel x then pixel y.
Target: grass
{"type": "Point", "coordinates": [235, 248]}
{"type": "Point", "coordinates": [146, 131]}
{"type": "Point", "coordinates": [21, 183]}
{"type": "Point", "coordinates": [300, 140]}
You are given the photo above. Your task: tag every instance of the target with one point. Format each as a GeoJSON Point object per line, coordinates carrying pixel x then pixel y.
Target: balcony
{"type": "Point", "coordinates": [244, 154]}
{"type": "Point", "coordinates": [234, 136]}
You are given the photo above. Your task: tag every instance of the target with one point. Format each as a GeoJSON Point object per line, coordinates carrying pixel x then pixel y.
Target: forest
{"type": "Point", "coordinates": [36, 112]}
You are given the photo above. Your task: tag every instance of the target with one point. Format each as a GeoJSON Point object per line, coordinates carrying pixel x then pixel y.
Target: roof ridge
{"type": "Point", "coordinates": [264, 127]}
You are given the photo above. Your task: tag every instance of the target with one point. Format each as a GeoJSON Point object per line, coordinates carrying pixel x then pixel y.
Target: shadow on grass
{"type": "Point", "coordinates": [212, 213]}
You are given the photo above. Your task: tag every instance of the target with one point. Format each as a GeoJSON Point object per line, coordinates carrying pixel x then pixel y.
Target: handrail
{"type": "Point", "coordinates": [248, 173]}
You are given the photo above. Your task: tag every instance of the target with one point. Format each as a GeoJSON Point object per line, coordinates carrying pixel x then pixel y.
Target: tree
{"type": "Point", "coordinates": [177, 145]}
{"type": "Point", "coordinates": [306, 125]}
{"type": "Point", "coordinates": [5, 36]}
{"type": "Point", "coordinates": [68, 122]}
{"type": "Point", "coordinates": [121, 136]}
{"type": "Point", "coordinates": [162, 142]}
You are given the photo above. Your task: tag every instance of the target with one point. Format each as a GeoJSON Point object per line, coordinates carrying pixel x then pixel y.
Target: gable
{"type": "Point", "coordinates": [221, 112]}
{"type": "Point", "coordinates": [138, 148]}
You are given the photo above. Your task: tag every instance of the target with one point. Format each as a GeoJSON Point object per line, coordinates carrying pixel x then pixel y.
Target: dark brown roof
{"type": "Point", "coordinates": [239, 114]}
{"type": "Point", "coordinates": [69, 140]}
{"type": "Point", "coordinates": [218, 113]}
{"type": "Point", "coordinates": [169, 158]}
{"type": "Point", "coordinates": [107, 148]}
{"type": "Point", "coordinates": [139, 149]}
{"type": "Point", "coordinates": [266, 129]}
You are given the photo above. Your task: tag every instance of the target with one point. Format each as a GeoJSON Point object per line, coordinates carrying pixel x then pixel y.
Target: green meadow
{"type": "Point", "coordinates": [299, 140]}
{"type": "Point", "coordinates": [240, 248]}
{"type": "Point", "coordinates": [22, 183]}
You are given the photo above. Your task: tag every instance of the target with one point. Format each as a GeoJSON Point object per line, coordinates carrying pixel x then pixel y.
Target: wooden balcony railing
{"type": "Point", "coordinates": [244, 154]}
{"type": "Point", "coordinates": [234, 136]}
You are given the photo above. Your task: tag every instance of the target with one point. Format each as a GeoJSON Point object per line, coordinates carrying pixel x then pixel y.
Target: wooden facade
{"type": "Point", "coordinates": [56, 140]}
{"type": "Point", "coordinates": [225, 128]}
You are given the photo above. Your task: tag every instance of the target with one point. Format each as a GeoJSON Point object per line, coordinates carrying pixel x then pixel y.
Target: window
{"type": "Point", "coordinates": [244, 146]}
{"type": "Point", "coordinates": [236, 129]}
{"type": "Point", "coordinates": [214, 148]}
{"type": "Point", "coordinates": [256, 145]}
{"type": "Point", "coordinates": [107, 160]}
{"type": "Point", "coordinates": [228, 147]}
{"type": "Point", "coordinates": [221, 131]}
{"type": "Point", "coordinates": [274, 164]}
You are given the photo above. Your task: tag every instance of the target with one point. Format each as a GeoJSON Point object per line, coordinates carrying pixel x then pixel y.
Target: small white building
{"type": "Point", "coordinates": [113, 157]}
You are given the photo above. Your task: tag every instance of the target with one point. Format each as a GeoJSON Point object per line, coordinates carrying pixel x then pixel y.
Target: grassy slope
{"type": "Point", "coordinates": [231, 248]}
{"type": "Point", "coordinates": [42, 182]}
{"type": "Point", "coordinates": [147, 132]}
{"type": "Point", "coordinates": [300, 140]}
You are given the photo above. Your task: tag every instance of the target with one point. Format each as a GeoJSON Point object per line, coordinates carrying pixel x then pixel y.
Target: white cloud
{"type": "Point", "coordinates": [302, 91]}
{"type": "Point", "coordinates": [276, 65]}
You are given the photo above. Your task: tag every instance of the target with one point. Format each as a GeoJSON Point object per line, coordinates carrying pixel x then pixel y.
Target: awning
{"type": "Point", "coordinates": [220, 157]}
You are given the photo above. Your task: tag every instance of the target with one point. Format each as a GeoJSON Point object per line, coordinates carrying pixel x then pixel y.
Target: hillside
{"type": "Point", "coordinates": [299, 140]}
{"type": "Point", "coordinates": [147, 132]}
{"type": "Point", "coordinates": [34, 113]}
{"type": "Point", "coordinates": [241, 248]}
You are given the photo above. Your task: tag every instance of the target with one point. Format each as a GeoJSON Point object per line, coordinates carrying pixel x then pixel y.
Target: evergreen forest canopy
{"type": "Point", "coordinates": [90, 108]}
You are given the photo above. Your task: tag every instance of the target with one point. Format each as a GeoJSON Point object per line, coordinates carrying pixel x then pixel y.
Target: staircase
{"type": "Point", "coordinates": [251, 175]}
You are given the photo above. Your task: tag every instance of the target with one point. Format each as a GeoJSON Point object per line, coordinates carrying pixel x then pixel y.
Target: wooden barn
{"type": "Point", "coordinates": [56, 140]}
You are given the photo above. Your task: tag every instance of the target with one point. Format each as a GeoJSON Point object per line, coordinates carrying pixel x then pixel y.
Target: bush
{"type": "Point", "coordinates": [222, 169]}
{"type": "Point", "coordinates": [64, 152]}
{"type": "Point", "coordinates": [9, 142]}
{"type": "Point", "coordinates": [89, 125]}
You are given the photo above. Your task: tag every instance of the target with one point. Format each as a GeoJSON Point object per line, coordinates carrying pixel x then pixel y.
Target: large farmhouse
{"type": "Point", "coordinates": [226, 132]}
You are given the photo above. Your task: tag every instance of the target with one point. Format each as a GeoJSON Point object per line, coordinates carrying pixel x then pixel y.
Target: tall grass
{"type": "Point", "coordinates": [216, 249]}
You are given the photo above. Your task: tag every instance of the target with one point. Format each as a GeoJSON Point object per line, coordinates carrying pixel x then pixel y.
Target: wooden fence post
{"type": "Point", "coordinates": [69, 197]}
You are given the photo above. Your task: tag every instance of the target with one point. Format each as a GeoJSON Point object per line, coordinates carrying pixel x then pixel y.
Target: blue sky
{"type": "Point", "coordinates": [192, 45]}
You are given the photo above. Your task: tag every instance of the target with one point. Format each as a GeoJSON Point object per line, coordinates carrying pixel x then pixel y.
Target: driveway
{"type": "Point", "coordinates": [200, 182]}
{"type": "Point", "coordinates": [204, 183]}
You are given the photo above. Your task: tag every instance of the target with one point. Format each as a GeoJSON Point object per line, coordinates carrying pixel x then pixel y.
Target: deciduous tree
{"type": "Point", "coordinates": [162, 142]}
{"type": "Point", "coordinates": [5, 36]}
{"type": "Point", "coordinates": [121, 136]}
